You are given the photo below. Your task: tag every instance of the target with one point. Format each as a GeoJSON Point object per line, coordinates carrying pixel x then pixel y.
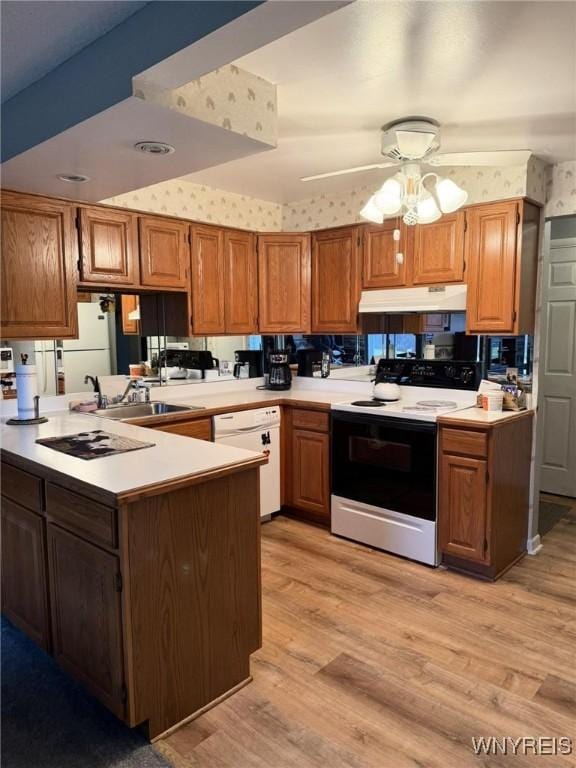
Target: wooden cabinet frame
{"type": "Point", "coordinates": [108, 247]}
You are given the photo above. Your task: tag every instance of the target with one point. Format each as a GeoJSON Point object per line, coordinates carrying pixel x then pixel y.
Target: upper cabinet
{"type": "Point", "coordinates": [284, 283]}
{"type": "Point", "coordinates": [130, 303]}
{"type": "Point", "coordinates": [384, 256]}
{"type": "Point", "coordinates": [336, 273]}
{"type": "Point", "coordinates": [241, 271]}
{"type": "Point", "coordinates": [164, 252]}
{"type": "Point", "coordinates": [438, 252]}
{"type": "Point", "coordinates": [502, 259]}
{"type": "Point", "coordinates": [39, 271]}
{"type": "Point", "coordinates": [108, 247]}
{"type": "Point", "coordinates": [207, 280]}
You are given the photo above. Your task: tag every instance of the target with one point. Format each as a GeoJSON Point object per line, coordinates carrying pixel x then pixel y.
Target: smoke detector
{"type": "Point", "coordinates": [154, 147]}
{"type": "Point", "coordinates": [73, 178]}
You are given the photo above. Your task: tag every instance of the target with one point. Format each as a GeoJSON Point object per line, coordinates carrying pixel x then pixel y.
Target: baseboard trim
{"type": "Point", "coordinates": [534, 545]}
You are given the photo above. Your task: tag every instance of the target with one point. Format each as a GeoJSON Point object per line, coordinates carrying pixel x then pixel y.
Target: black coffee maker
{"type": "Point", "coordinates": [280, 375]}
{"type": "Point", "coordinates": [252, 358]}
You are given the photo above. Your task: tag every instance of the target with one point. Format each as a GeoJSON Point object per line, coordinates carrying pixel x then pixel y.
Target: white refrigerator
{"type": "Point", "coordinates": [75, 358]}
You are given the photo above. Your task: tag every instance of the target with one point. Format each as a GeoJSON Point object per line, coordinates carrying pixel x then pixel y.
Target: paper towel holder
{"type": "Point", "coordinates": [36, 420]}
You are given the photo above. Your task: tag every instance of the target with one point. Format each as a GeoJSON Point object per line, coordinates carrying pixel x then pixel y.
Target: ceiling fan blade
{"type": "Point", "coordinates": [497, 158]}
{"type": "Point", "coordinates": [356, 169]}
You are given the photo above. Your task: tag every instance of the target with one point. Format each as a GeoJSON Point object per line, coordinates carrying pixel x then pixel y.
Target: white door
{"type": "Point", "coordinates": [557, 385]}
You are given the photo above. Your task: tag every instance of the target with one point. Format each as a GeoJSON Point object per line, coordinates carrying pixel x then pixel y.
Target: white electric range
{"type": "Point", "coordinates": [384, 457]}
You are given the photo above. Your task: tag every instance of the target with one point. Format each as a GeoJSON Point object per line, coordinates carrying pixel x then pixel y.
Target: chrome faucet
{"type": "Point", "coordinates": [132, 392]}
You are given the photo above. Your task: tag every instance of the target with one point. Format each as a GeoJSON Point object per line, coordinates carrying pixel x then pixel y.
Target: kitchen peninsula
{"type": "Point", "coordinates": [138, 572]}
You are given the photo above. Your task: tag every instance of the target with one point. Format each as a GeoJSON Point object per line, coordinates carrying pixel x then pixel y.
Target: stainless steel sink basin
{"type": "Point", "coordinates": [138, 410]}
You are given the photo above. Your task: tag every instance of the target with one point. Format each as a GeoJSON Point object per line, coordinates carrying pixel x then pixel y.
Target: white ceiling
{"type": "Point", "coordinates": [38, 36]}
{"type": "Point", "coordinates": [497, 75]}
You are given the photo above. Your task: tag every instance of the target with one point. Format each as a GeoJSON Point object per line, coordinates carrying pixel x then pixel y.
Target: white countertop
{"type": "Point", "coordinates": [479, 416]}
{"type": "Point", "coordinates": [171, 457]}
{"type": "Point", "coordinates": [256, 397]}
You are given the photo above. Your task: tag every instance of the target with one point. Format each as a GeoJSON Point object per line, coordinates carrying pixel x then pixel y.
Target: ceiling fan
{"type": "Point", "coordinates": [409, 143]}
{"type": "Point", "coordinates": [411, 139]}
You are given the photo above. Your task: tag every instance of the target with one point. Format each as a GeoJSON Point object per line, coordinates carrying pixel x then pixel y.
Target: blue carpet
{"type": "Point", "coordinates": [49, 721]}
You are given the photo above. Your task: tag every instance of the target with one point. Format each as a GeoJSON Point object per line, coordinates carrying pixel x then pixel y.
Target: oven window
{"type": "Point", "coordinates": [385, 465]}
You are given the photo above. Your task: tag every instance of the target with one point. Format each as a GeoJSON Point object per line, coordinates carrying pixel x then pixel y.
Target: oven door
{"type": "Point", "coordinates": [386, 462]}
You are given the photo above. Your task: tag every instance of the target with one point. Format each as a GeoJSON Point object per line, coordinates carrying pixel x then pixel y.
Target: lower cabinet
{"type": "Point", "coordinates": [484, 481]}
{"type": "Point", "coordinates": [306, 464]}
{"type": "Point", "coordinates": [201, 429]}
{"type": "Point", "coordinates": [85, 589]}
{"type": "Point", "coordinates": [24, 583]}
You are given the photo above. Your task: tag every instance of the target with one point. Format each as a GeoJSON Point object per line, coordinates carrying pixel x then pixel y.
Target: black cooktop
{"type": "Point", "coordinates": [369, 403]}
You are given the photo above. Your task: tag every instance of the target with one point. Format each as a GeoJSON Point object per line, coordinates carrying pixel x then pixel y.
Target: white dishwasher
{"type": "Point", "coordinates": [256, 430]}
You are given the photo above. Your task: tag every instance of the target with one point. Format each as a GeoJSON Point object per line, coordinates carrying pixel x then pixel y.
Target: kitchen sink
{"type": "Point", "coordinates": [138, 410]}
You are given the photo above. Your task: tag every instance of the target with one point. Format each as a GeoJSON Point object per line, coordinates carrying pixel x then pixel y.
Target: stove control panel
{"type": "Point", "coordinates": [451, 374]}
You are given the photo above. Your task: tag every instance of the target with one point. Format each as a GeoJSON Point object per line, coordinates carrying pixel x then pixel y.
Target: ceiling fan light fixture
{"type": "Point", "coordinates": [427, 210]}
{"type": "Point", "coordinates": [450, 195]}
{"type": "Point", "coordinates": [371, 212]}
{"type": "Point", "coordinates": [388, 199]}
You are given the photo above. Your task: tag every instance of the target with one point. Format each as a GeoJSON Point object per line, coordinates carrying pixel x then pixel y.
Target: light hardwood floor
{"type": "Point", "coordinates": [370, 661]}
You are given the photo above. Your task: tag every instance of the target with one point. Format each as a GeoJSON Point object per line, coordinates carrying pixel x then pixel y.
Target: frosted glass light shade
{"type": "Point", "coordinates": [371, 212]}
{"type": "Point", "coordinates": [427, 210]}
{"type": "Point", "coordinates": [388, 199]}
{"type": "Point", "coordinates": [450, 195]}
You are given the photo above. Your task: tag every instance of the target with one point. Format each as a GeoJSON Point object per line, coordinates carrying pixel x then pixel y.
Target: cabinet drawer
{"type": "Point", "coordinates": [315, 420]}
{"type": "Point", "coordinates": [464, 442]}
{"type": "Point", "coordinates": [22, 487]}
{"type": "Point", "coordinates": [201, 429]}
{"type": "Point", "coordinates": [83, 516]}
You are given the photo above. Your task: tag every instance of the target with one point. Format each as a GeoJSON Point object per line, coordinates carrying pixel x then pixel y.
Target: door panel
{"type": "Point", "coordinates": [284, 283]}
{"type": "Point", "coordinates": [462, 514]}
{"type": "Point", "coordinates": [86, 615]}
{"type": "Point", "coordinates": [384, 257]}
{"type": "Point", "coordinates": [207, 278]}
{"type": "Point", "coordinates": [335, 281]}
{"type": "Point", "coordinates": [439, 251]}
{"type": "Point", "coordinates": [164, 252]}
{"type": "Point", "coordinates": [24, 580]}
{"type": "Point", "coordinates": [39, 271]}
{"type": "Point", "coordinates": [491, 240]}
{"type": "Point", "coordinates": [241, 269]}
{"type": "Point", "coordinates": [557, 419]}
{"type": "Point", "coordinates": [108, 247]}
{"type": "Point", "coordinates": [310, 487]}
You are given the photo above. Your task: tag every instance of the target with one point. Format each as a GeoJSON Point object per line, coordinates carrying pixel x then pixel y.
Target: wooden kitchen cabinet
{"type": "Point", "coordinates": [483, 496]}
{"type": "Point", "coordinates": [207, 280]}
{"type": "Point", "coordinates": [284, 283]}
{"type": "Point", "coordinates": [86, 615]}
{"type": "Point", "coordinates": [164, 253]}
{"type": "Point", "coordinates": [129, 303]}
{"type": "Point", "coordinates": [336, 277]}
{"type": "Point", "coordinates": [108, 247]}
{"type": "Point", "coordinates": [24, 582]}
{"type": "Point", "coordinates": [438, 252]}
{"type": "Point", "coordinates": [501, 247]}
{"type": "Point", "coordinates": [306, 464]}
{"type": "Point", "coordinates": [241, 273]}
{"type": "Point", "coordinates": [384, 252]}
{"type": "Point", "coordinates": [39, 270]}
{"type": "Point", "coordinates": [201, 429]}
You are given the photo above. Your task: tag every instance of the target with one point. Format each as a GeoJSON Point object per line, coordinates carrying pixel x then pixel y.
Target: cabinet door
{"type": "Point", "coordinates": [335, 281]}
{"type": "Point", "coordinates": [439, 251]}
{"type": "Point", "coordinates": [129, 303]}
{"type": "Point", "coordinates": [491, 240]}
{"type": "Point", "coordinates": [309, 471]}
{"type": "Point", "coordinates": [201, 429]}
{"type": "Point", "coordinates": [86, 615]}
{"type": "Point", "coordinates": [164, 252]}
{"type": "Point", "coordinates": [462, 514]}
{"type": "Point", "coordinates": [241, 266]}
{"type": "Point", "coordinates": [24, 580]}
{"type": "Point", "coordinates": [385, 253]}
{"type": "Point", "coordinates": [207, 280]}
{"type": "Point", "coordinates": [284, 283]}
{"type": "Point", "coordinates": [39, 271]}
{"type": "Point", "coordinates": [108, 247]}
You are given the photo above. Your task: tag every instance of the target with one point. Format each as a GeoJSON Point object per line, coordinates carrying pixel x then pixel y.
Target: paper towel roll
{"type": "Point", "coordinates": [26, 389]}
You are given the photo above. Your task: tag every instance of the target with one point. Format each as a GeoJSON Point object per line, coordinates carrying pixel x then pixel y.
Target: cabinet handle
{"type": "Point", "coordinates": [399, 258]}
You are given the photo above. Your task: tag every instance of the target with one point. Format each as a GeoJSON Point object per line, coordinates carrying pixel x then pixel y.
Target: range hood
{"type": "Point", "coordinates": [437, 298]}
